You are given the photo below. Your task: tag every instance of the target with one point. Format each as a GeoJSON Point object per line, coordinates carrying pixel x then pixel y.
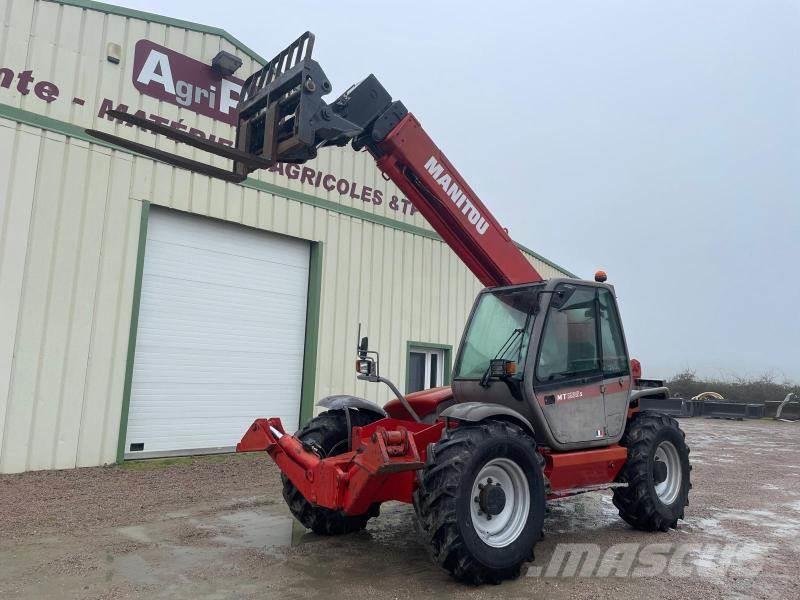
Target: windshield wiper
{"type": "Point", "coordinates": [500, 353]}
{"type": "Point", "coordinates": [507, 345]}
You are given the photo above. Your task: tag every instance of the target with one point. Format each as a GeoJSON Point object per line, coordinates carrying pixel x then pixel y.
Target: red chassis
{"type": "Point", "coordinates": [386, 454]}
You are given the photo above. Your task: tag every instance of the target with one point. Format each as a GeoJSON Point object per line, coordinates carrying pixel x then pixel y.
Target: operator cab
{"type": "Point", "coordinates": [555, 353]}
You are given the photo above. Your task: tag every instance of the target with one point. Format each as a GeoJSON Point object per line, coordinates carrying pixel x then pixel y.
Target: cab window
{"type": "Point", "coordinates": [569, 343]}
{"type": "Point", "coordinates": [499, 328]}
{"type": "Point", "coordinates": [615, 359]}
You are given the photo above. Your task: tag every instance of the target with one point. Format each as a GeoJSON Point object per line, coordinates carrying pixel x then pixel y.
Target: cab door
{"type": "Point", "coordinates": [614, 363]}
{"type": "Point", "coordinates": [568, 372]}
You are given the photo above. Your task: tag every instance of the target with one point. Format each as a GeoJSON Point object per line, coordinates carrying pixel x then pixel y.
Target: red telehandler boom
{"type": "Point", "coordinates": [544, 400]}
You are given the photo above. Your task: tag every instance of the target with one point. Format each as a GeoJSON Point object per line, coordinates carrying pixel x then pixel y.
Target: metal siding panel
{"type": "Point", "coordinates": [347, 171]}
{"type": "Point", "coordinates": [293, 217]}
{"type": "Point", "coordinates": [176, 38]}
{"type": "Point", "coordinates": [435, 318]}
{"type": "Point", "coordinates": [265, 208]}
{"type": "Point", "coordinates": [391, 294]}
{"type": "Point", "coordinates": [90, 70]}
{"type": "Point", "coordinates": [142, 179]}
{"type": "Point", "coordinates": [201, 195]}
{"type": "Point", "coordinates": [419, 284]}
{"type": "Point", "coordinates": [163, 182]}
{"type": "Point", "coordinates": [93, 207]}
{"type": "Point", "coordinates": [404, 292]}
{"type": "Point", "coordinates": [113, 404]}
{"type": "Point", "coordinates": [41, 48]}
{"type": "Point", "coordinates": [306, 222]}
{"type": "Point", "coordinates": [61, 283]}
{"type": "Point", "coordinates": [280, 211]}
{"type": "Point", "coordinates": [328, 304]}
{"type": "Point", "coordinates": [111, 76]}
{"type": "Point", "coordinates": [233, 203]}
{"type": "Point", "coordinates": [181, 183]}
{"type": "Point", "coordinates": [103, 353]}
{"type": "Point", "coordinates": [354, 309]}
{"type": "Point", "coordinates": [35, 300]}
{"type": "Point", "coordinates": [341, 289]}
{"type": "Point", "coordinates": [363, 261]}
{"type": "Point", "coordinates": [71, 30]}
{"type": "Point", "coordinates": [16, 208]}
{"type": "Point", "coordinates": [14, 42]}
{"type": "Point", "coordinates": [250, 209]}
{"type": "Point", "coordinates": [367, 174]}
{"type": "Point", "coordinates": [65, 64]}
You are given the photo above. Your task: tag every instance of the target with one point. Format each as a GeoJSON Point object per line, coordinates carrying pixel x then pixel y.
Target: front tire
{"type": "Point", "coordinates": [657, 472]}
{"type": "Point", "coordinates": [328, 434]}
{"type": "Point", "coordinates": [481, 501]}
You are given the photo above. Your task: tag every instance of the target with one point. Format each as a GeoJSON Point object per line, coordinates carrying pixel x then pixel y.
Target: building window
{"type": "Point", "coordinates": [427, 366]}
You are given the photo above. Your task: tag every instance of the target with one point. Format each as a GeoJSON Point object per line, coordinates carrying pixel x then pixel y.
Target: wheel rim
{"type": "Point", "coordinates": [501, 529]}
{"type": "Point", "coordinates": [668, 490]}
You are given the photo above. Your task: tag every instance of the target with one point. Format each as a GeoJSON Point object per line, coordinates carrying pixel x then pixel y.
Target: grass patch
{"type": "Point", "coordinates": [147, 464]}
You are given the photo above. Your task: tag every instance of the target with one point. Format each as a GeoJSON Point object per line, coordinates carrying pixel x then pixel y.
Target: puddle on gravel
{"type": "Point", "coordinates": [258, 528]}
{"type": "Point", "coordinates": [749, 529]}
{"type": "Point", "coordinates": [255, 529]}
{"type": "Point", "coordinates": [779, 526]}
{"type": "Point", "coordinates": [586, 511]}
{"type": "Point", "coordinates": [174, 551]}
{"type": "Point", "coordinates": [138, 533]}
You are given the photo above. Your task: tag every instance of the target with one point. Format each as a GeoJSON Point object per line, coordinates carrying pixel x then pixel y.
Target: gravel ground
{"type": "Point", "coordinates": [217, 527]}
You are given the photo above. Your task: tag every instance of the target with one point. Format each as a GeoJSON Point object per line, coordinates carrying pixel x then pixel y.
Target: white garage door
{"type": "Point", "coordinates": [220, 336]}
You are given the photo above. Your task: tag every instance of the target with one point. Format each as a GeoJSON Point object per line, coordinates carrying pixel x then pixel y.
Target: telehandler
{"type": "Point", "coordinates": [544, 396]}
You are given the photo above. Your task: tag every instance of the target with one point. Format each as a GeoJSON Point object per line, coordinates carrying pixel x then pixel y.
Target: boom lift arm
{"type": "Point", "coordinates": [415, 164]}
{"type": "Point", "coordinates": [283, 118]}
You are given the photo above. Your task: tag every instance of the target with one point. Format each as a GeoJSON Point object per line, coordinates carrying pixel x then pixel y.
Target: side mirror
{"type": "Point", "coordinates": [363, 346]}
{"type": "Point", "coordinates": [500, 368]}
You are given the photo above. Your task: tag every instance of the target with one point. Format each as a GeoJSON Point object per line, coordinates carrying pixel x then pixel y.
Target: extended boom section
{"type": "Point", "coordinates": [410, 158]}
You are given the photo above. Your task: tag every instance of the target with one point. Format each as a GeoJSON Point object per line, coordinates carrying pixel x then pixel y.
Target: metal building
{"type": "Point", "coordinates": [145, 310]}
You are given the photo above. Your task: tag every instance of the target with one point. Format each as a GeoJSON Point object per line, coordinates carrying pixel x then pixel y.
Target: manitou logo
{"type": "Point", "coordinates": [179, 79]}
{"type": "Point", "coordinates": [459, 198]}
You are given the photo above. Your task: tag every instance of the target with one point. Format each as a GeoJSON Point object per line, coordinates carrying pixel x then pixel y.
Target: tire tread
{"type": "Point", "coordinates": [436, 496]}
{"type": "Point", "coordinates": [636, 505]}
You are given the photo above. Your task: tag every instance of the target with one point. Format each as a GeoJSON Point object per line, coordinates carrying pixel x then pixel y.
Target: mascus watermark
{"type": "Point", "coordinates": [650, 560]}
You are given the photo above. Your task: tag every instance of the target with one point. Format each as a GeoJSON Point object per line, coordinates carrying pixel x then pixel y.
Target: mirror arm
{"type": "Point", "coordinates": [400, 397]}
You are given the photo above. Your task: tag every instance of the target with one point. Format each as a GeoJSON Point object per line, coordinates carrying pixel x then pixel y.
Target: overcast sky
{"type": "Point", "coordinates": [657, 140]}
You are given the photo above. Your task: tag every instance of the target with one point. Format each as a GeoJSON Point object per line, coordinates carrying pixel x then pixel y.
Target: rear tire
{"type": "Point", "coordinates": [657, 472]}
{"type": "Point", "coordinates": [480, 502]}
{"type": "Point", "coordinates": [328, 434]}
